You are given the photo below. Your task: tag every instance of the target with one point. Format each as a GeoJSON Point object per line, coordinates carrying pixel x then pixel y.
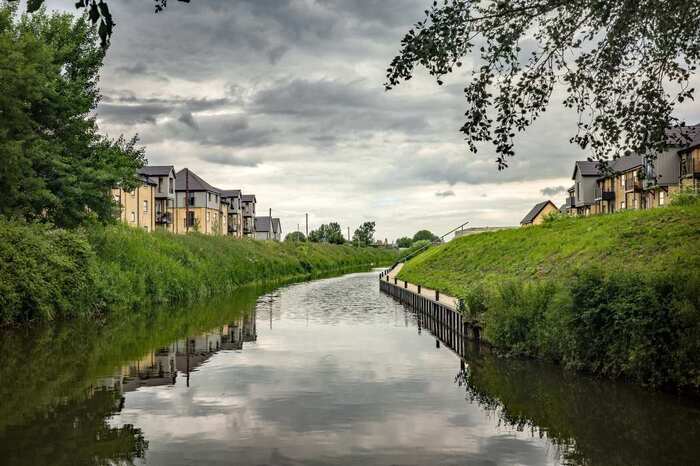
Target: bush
{"type": "Point", "coordinates": [47, 274]}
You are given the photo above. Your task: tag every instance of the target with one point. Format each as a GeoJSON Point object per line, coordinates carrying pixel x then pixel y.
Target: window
{"type": "Point", "coordinates": [662, 197]}
{"type": "Point", "coordinates": [189, 221]}
{"type": "Point", "coordinates": [145, 206]}
{"type": "Point", "coordinates": [209, 197]}
{"type": "Point", "coordinates": [160, 184]}
{"type": "Point", "coordinates": [170, 185]}
{"type": "Point", "coordinates": [208, 217]}
{"type": "Point", "coordinates": [133, 216]}
{"type": "Point", "coordinates": [191, 200]}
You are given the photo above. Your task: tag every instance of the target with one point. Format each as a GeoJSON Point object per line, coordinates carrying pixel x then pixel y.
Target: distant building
{"type": "Point", "coordinates": [248, 202]}
{"type": "Point", "coordinates": [276, 229]}
{"type": "Point", "coordinates": [136, 206]}
{"type": "Point", "coordinates": [164, 208]}
{"type": "Point", "coordinates": [200, 206]}
{"type": "Point", "coordinates": [264, 229]}
{"type": "Point", "coordinates": [235, 211]}
{"type": "Point", "coordinates": [538, 213]}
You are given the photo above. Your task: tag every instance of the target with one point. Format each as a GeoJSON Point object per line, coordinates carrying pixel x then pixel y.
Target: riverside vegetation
{"type": "Point", "coordinates": [48, 274]}
{"type": "Point", "coordinates": [616, 295]}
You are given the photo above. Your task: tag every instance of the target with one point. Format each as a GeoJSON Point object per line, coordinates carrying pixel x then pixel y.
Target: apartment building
{"type": "Point", "coordinates": [248, 202]}
{"type": "Point", "coordinates": [136, 206]}
{"type": "Point", "coordinates": [689, 169]}
{"type": "Point", "coordinates": [235, 212]}
{"type": "Point", "coordinates": [163, 177]}
{"type": "Point", "coordinates": [199, 205]}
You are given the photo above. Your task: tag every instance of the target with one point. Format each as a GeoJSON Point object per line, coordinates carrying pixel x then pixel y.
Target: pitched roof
{"type": "Point", "coordinates": [230, 192]}
{"type": "Point", "coordinates": [195, 182]}
{"type": "Point", "coordinates": [676, 136]}
{"type": "Point", "coordinates": [262, 224]}
{"type": "Point", "coordinates": [628, 162]}
{"type": "Point", "coordinates": [248, 198]}
{"type": "Point", "coordinates": [535, 211]}
{"type": "Point", "coordinates": [156, 170]}
{"type": "Point", "coordinates": [145, 180]}
{"type": "Point", "coordinates": [276, 225]}
{"type": "Point", "coordinates": [587, 168]}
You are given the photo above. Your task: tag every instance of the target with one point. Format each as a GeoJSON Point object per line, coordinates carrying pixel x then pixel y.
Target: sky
{"type": "Point", "coordinates": [284, 99]}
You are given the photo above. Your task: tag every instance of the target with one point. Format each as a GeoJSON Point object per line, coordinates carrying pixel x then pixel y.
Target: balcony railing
{"type": "Point", "coordinates": [164, 218]}
{"type": "Point", "coordinates": [633, 184]}
{"type": "Point", "coordinates": [602, 194]}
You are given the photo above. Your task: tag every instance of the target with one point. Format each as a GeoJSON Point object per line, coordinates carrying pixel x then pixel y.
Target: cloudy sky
{"type": "Point", "coordinates": [284, 99]}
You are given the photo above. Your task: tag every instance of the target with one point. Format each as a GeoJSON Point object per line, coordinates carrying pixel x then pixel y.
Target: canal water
{"type": "Point", "coordinates": [329, 372]}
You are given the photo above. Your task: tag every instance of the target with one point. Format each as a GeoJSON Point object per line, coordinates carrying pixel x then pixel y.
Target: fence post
{"type": "Point", "coordinates": [405, 284]}
{"type": "Point", "coordinates": [418, 289]}
{"type": "Point", "coordinates": [395, 280]}
{"type": "Point", "coordinates": [437, 295]}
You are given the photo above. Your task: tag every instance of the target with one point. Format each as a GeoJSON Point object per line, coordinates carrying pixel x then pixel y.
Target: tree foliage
{"type": "Point", "coordinates": [55, 166]}
{"type": "Point", "coordinates": [295, 236]}
{"type": "Point", "coordinates": [425, 235]}
{"type": "Point", "coordinates": [328, 233]}
{"type": "Point", "coordinates": [404, 242]}
{"type": "Point", "coordinates": [625, 66]}
{"type": "Point", "coordinates": [364, 235]}
{"type": "Point", "coordinates": [99, 14]}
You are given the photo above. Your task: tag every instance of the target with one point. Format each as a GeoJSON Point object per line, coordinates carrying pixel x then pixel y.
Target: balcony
{"type": "Point", "coordinates": [633, 184]}
{"type": "Point", "coordinates": [164, 218]}
{"type": "Point", "coordinates": [232, 228]}
{"type": "Point", "coordinates": [602, 194]}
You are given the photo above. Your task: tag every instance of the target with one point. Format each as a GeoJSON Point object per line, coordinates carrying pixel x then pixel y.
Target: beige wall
{"type": "Point", "coordinates": [208, 221]}
{"type": "Point", "coordinates": [137, 208]}
{"type": "Point", "coordinates": [548, 209]}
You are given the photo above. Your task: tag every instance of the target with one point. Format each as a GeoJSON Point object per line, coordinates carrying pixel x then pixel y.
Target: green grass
{"type": "Point", "coordinates": [48, 274]}
{"type": "Point", "coordinates": [617, 295]}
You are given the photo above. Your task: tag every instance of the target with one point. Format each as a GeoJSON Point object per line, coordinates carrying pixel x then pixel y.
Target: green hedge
{"type": "Point", "coordinates": [616, 295]}
{"type": "Point", "coordinates": [46, 273]}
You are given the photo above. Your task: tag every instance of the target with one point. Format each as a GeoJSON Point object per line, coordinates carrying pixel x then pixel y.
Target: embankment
{"type": "Point", "coordinates": [616, 295]}
{"type": "Point", "coordinates": [48, 274]}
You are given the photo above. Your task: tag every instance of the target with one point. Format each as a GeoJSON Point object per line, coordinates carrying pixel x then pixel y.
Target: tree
{"type": "Point", "coordinates": [404, 242]}
{"type": "Point", "coordinates": [98, 13]}
{"type": "Point", "coordinates": [625, 65]}
{"type": "Point", "coordinates": [55, 166]}
{"type": "Point", "coordinates": [295, 236]}
{"type": "Point", "coordinates": [425, 235]}
{"type": "Point", "coordinates": [364, 235]}
{"type": "Point", "coordinates": [327, 233]}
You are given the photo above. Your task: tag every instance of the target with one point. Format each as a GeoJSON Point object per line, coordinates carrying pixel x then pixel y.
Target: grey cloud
{"type": "Point", "coordinates": [447, 193]}
{"type": "Point", "coordinates": [553, 190]}
{"type": "Point", "coordinates": [186, 118]}
{"type": "Point", "coordinates": [231, 160]}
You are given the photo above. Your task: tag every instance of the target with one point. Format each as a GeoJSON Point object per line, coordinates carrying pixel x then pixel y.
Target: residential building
{"type": "Point", "coordinates": [248, 202]}
{"type": "Point", "coordinates": [199, 206]}
{"type": "Point", "coordinates": [585, 176]}
{"type": "Point", "coordinates": [164, 208]}
{"type": "Point", "coordinates": [569, 206]}
{"type": "Point", "coordinates": [538, 213]}
{"type": "Point", "coordinates": [136, 206]}
{"type": "Point", "coordinates": [619, 185]}
{"type": "Point", "coordinates": [264, 229]}
{"type": "Point", "coordinates": [235, 212]}
{"type": "Point", "coordinates": [276, 229]}
{"type": "Point", "coordinates": [689, 154]}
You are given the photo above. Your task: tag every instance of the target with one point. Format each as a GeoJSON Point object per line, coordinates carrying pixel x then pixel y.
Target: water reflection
{"type": "Point", "coordinates": [326, 372]}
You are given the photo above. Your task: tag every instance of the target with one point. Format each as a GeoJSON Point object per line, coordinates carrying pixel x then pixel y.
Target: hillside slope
{"type": "Point", "coordinates": [616, 294]}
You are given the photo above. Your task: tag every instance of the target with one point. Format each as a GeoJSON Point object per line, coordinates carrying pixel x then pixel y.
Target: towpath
{"type": "Point", "coordinates": [427, 292]}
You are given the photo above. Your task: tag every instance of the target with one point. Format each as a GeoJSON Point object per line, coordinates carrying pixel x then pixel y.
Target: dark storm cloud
{"type": "Point", "coordinates": [233, 160]}
{"type": "Point", "coordinates": [553, 190]}
{"type": "Point", "coordinates": [447, 193]}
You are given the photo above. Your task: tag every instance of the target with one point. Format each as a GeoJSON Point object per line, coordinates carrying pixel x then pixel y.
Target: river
{"type": "Point", "coordinates": [328, 372]}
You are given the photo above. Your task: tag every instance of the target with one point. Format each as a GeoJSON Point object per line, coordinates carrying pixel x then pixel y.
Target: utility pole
{"type": "Point", "coordinates": [187, 201]}
{"type": "Point", "coordinates": [307, 225]}
{"type": "Point", "coordinates": [349, 239]}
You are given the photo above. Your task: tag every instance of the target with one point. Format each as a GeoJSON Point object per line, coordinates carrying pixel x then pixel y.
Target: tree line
{"type": "Point", "coordinates": [332, 233]}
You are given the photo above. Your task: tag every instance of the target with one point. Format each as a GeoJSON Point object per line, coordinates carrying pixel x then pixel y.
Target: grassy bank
{"type": "Point", "coordinates": [48, 274]}
{"type": "Point", "coordinates": [617, 295]}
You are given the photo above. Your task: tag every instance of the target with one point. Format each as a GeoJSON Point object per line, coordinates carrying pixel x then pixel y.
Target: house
{"type": "Point", "coordinates": [248, 202]}
{"type": "Point", "coordinates": [264, 229]}
{"type": "Point", "coordinates": [569, 206]}
{"type": "Point", "coordinates": [199, 205]}
{"type": "Point", "coordinates": [689, 155]}
{"type": "Point", "coordinates": [538, 213]}
{"type": "Point", "coordinates": [585, 175]}
{"type": "Point", "coordinates": [276, 229]}
{"type": "Point", "coordinates": [164, 179]}
{"type": "Point", "coordinates": [235, 212]}
{"type": "Point", "coordinates": [136, 206]}
{"type": "Point", "coordinates": [620, 186]}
